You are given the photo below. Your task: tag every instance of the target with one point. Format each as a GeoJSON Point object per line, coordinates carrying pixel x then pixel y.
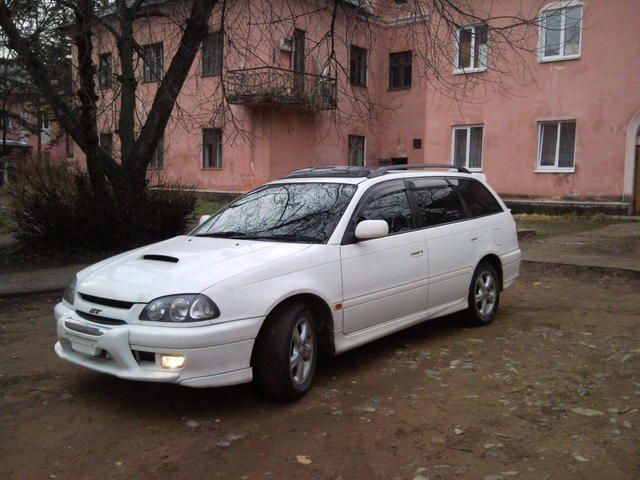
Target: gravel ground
{"type": "Point", "coordinates": [550, 390]}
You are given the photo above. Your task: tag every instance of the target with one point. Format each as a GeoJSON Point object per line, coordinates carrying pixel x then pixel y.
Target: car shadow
{"type": "Point", "coordinates": [160, 399]}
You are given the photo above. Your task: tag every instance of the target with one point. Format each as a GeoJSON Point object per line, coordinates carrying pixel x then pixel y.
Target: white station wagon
{"type": "Point", "coordinates": [323, 260]}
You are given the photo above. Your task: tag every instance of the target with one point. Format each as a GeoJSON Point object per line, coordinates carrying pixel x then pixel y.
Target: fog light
{"type": "Point", "coordinates": [172, 361]}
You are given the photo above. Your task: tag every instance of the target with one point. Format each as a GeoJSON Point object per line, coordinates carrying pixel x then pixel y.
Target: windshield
{"type": "Point", "coordinates": [288, 212]}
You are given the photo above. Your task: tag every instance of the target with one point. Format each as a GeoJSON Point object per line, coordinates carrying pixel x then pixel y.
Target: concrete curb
{"type": "Point", "coordinates": [22, 293]}
{"type": "Point", "coordinates": [33, 282]}
{"type": "Point", "coordinates": [594, 268]}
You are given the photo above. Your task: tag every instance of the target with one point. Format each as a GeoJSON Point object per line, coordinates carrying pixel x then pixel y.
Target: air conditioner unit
{"type": "Point", "coordinates": [286, 44]}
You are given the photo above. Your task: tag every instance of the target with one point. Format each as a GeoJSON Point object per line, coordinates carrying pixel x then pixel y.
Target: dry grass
{"type": "Point", "coordinates": [552, 225]}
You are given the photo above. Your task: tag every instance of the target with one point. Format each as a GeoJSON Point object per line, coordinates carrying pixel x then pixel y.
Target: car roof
{"type": "Point", "coordinates": [356, 175]}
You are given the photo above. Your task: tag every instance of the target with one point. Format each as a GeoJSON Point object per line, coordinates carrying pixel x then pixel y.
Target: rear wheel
{"type": "Point", "coordinates": [484, 295]}
{"type": "Point", "coordinates": [286, 353]}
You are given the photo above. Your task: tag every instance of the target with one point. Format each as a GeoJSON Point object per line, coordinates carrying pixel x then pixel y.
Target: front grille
{"type": "Point", "coordinates": [107, 302]}
{"type": "Point", "coordinates": [100, 320]}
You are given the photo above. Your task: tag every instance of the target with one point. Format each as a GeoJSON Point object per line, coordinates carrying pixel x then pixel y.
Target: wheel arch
{"type": "Point", "coordinates": [321, 314]}
{"type": "Point", "coordinates": [495, 262]}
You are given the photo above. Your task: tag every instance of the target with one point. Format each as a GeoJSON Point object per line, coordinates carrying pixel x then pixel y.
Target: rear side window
{"type": "Point", "coordinates": [479, 200]}
{"type": "Point", "coordinates": [437, 202]}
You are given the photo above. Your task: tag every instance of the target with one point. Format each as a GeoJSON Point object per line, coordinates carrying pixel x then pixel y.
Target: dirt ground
{"type": "Point", "coordinates": [550, 390]}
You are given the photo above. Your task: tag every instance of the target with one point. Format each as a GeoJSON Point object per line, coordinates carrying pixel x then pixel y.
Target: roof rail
{"type": "Point", "coordinates": [330, 171]}
{"type": "Point", "coordinates": [382, 170]}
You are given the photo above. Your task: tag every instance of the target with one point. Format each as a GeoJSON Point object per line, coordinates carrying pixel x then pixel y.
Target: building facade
{"type": "Point", "coordinates": [27, 129]}
{"type": "Point", "coordinates": [550, 115]}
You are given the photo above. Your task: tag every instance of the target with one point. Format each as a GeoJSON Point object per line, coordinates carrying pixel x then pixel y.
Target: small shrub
{"type": "Point", "coordinates": [5, 220]}
{"type": "Point", "coordinates": [53, 206]}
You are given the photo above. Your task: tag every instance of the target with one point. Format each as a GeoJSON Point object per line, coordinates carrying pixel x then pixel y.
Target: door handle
{"type": "Point", "coordinates": [474, 238]}
{"type": "Point", "coordinates": [417, 253]}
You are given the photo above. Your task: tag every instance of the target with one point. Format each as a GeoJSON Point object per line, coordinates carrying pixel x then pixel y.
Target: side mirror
{"type": "Point", "coordinates": [367, 229]}
{"type": "Point", "coordinates": [203, 219]}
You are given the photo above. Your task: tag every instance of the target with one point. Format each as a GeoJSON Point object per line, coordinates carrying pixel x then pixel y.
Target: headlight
{"type": "Point", "coordinates": [70, 291]}
{"type": "Point", "coordinates": [180, 308]}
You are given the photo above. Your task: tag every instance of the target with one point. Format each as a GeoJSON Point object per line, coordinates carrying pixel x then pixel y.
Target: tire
{"type": "Point", "coordinates": [286, 353]}
{"type": "Point", "coordinates": [484, 295]}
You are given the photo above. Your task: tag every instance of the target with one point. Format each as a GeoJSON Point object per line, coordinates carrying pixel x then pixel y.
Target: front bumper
{"type": "Point", "coordinates": [215, 355]}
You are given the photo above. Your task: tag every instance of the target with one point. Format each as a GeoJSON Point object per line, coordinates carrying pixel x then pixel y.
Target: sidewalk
{"type": "Point", "coordinates": [615, 246]}
{"type": "Point", "coordinates": [45, 280]}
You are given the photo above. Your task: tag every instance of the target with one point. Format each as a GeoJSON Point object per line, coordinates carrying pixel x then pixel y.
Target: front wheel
{"type": "Point", "coordinates": [286, 353]}
{"type": "Point", "coordinates": [484, 295]}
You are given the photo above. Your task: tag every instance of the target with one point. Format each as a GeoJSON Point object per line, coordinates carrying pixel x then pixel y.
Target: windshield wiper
{"type": "Point", "coordinates": [289, 237]}
{"type": "Point", "coordinates": [227, 234]}
{"type": "Point", "coordinates": [285, 237]}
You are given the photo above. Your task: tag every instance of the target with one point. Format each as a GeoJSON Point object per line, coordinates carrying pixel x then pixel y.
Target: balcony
{"type": "Point", "coordinates": [278, 86]}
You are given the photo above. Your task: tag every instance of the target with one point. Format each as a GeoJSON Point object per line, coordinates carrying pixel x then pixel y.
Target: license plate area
{"type": "Point", "coordinates": [84, 346]}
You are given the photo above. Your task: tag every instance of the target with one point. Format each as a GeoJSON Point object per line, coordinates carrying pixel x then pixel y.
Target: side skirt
{"type": "Point", "coordinates": [355, 339]}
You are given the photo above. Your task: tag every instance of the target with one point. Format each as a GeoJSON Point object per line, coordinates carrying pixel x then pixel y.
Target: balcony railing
{"type": "Point", "coordinates": [273, 85]}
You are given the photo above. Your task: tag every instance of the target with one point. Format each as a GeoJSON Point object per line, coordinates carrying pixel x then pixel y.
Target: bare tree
{"type": "Point", "coordinates": [80, 120]}
{"type": "Point", "coordinates": [434, 30]}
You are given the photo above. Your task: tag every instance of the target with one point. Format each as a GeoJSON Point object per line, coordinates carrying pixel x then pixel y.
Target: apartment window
{"type": "Point", "coordinates": [157, 159]}
{"type": "Point", "coordinates": [212, 54]}
{"type": "Point", "coordinates": [106, 143]}
{"type": "Point", "coordinates": [44, 121]}
{"type": "Point", "coordinates": [212, 148]}
{"type": "Point", "coordinates": [560, 31]}
{"type": "Point", "coordinates": [5, 120]}
{"type": "Point", "coordinates": [400, 70]}
{"type": "Point", "coordinates": [105, 71]}
{"type": "Point", "coordinates": [466, 150]}
{"type": "Point", "coordinates": [68, 146]}
{"type": "Point", "coordinates": [556, 145]}
{"type": "Point", "coordinates": [358, 66]}
{"type": "Point", "coordinates": [472, 49]}
{"type": "Point", "coordinates": [153, 63]}
{"type": "Point", "coordinates": [356, 150]}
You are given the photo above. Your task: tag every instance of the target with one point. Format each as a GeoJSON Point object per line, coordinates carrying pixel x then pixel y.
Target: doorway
{"type": "Point", "coordinates": [636, 188]}
{"type": "Point", "coordinates": [631, 186]}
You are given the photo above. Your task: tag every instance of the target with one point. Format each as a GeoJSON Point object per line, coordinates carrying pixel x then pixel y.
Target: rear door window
{"type": "Point", "coordinates": [478, 198]}
{"type": "Point", "coordinates": [437, 202]}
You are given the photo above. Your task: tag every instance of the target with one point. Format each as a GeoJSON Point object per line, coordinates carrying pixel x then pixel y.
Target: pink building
{"type": "Point", "coordinates": [23, 136]}
{"type": "Point", "coordinates": [552, 116]}
{"type": "Point", "coordinates": [27, 129]}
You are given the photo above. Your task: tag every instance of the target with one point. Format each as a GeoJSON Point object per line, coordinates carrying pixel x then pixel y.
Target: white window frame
{"type": "Point", "coordinates": [149, 64]}
{"type": "Point", "coordinates": [220, 163]}
{"type": "Point", "coordinates": [466, 156]}
{"type": "Point", "coordinates": [158, 152]}
{"type": "Point", "coordinates": [461, 70]}
{"type": "Point", "coordinates": [560, 5]}
{"type": "Point", "coordinates": [364, 148]}
{"type": "Point", "coordinates": [366, 66]}
{"type": "Point", "coordinates": [555, 168]}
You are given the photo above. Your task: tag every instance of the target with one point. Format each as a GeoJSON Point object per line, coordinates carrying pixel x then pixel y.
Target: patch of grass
{"type": "Point", "coordinates": [552, 225]}
{"type": "Point", "coordinates": [204, 207]}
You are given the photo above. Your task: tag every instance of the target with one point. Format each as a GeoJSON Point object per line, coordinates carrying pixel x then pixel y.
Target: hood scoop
{"type": "Point", "coordinates": [161, 258]}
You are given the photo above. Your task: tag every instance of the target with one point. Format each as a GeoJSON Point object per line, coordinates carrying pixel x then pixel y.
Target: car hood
{"type": "Point", "coordinates": [184, 264]}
